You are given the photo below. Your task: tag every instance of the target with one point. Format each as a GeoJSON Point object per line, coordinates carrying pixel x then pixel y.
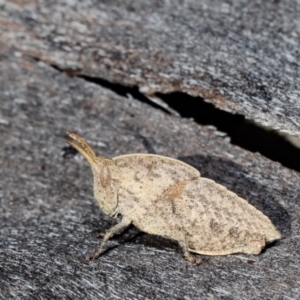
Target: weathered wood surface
{"type": "Point", "coordinates": [48, 216]}
{"type": "Point", "coordinates": [242, 56]}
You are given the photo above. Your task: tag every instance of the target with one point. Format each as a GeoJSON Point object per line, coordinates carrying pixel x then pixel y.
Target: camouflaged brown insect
{"type": "Point", "coordinates": [167, 197]}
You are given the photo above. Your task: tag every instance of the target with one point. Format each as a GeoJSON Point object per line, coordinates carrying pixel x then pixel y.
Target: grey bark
{"type": "Point", "coordinates": [242, 56]}
{"type": "Point", "coordinates": [48, 216]}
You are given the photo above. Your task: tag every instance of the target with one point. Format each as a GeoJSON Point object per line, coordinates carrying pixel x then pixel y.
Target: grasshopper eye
{"type": "Point", "coordinates": [105, 176]}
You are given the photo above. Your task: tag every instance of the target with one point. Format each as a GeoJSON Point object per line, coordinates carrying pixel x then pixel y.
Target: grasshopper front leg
{"type": "Point", "coordinates": [120, 227]}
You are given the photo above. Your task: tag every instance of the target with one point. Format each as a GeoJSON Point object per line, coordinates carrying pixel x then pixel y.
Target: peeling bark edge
{"type": "Point", "coordinates": [241, 132]}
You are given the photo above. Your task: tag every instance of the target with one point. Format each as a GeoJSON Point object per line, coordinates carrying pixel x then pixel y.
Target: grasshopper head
{"type": "Point", "coordinates": [105, 171]}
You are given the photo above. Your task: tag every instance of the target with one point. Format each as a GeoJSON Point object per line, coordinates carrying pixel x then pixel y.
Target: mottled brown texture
{"type": "Point", "coordinates": [172, 193]}
{"type": "Point", "coordinates": [204, 217]}
{"type": "Point", "coordinates": [223, 223]}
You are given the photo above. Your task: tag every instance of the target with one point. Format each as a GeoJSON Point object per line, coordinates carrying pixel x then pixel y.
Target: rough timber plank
{"type": "Point", "coordinates": [49, 218]}
{"type": "Point", "coordinates": [242, 56]}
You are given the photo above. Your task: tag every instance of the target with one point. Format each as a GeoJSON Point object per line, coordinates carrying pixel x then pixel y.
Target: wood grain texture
{"type": "Point", "coordinates": [49, 218]}
{"type": "Point", "coordinates": [241, 56]}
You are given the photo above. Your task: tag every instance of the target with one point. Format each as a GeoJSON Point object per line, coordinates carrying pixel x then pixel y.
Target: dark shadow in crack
{"type": "Point", "coordinates": [242, 132]}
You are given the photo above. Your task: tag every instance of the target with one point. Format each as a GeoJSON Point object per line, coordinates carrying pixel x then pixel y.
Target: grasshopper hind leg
{"type": "Point", "coordinates": [186, 253]}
